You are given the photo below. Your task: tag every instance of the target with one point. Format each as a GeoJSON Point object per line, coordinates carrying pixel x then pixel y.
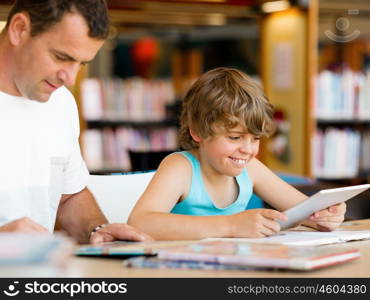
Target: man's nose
{"type": "Point", "coordinates": [68, 74]}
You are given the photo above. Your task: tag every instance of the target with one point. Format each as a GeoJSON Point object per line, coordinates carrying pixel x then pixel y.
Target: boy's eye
{"type": "Point", "coordinates": [256, 138]}
{"type": "Point", "coordinates": [234, 137]}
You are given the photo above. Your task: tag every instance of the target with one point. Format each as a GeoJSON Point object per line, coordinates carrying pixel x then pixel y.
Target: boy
{"type": "Point", "coordinates": [204, 191]}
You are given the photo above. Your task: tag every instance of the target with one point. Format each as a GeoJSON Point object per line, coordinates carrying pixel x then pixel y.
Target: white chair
{"type": "Point", "coordinates": [117, 194]}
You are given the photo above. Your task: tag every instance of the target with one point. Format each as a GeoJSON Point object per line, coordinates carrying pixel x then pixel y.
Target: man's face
{"type": "Point", "coordinates": [53, 58]}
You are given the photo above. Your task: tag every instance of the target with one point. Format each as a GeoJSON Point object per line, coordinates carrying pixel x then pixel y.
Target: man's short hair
{"type": "Point", "coordinates": [46, 13]}
{"type": "Point", "coordinates": [226, 98]}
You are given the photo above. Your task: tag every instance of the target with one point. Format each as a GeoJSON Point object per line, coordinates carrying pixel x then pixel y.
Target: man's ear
{"type": "Point", "coordinates": [19, 28]}
{"type": "Point", "coordinates": [194, 135]}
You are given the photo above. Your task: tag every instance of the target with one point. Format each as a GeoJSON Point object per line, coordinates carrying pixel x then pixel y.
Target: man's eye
{"type": "Point", "coordinates": [60, 58]}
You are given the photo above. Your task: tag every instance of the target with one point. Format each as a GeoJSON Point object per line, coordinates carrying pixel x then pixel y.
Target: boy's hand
{"type": "Point", "coordinates": [255, 223]}
{"type": "Point", "coordinates": [330, 218]}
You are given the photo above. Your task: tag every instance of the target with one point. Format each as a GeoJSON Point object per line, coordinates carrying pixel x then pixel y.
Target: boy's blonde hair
{"type": "Point", "coordinates": [226, 97]}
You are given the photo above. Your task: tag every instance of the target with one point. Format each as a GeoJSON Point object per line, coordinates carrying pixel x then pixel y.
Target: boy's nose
{"type": "Point", "coordinates": [246, 147]}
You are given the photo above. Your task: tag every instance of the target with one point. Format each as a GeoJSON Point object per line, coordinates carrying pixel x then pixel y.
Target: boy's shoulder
{"type": "Point", "coordinates": [176, 159]}
{"type": "Point", "coordinates": [175, 163]}
{"type": "Point", "coordinates": [176, 168]}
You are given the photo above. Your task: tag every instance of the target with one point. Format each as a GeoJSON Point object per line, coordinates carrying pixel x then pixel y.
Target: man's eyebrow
{"type": "Point", "coordinates": [68, 57]}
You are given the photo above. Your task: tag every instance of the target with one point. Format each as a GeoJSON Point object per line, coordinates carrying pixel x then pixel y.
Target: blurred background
{"type": "Point", "coordinates": [312, 58]}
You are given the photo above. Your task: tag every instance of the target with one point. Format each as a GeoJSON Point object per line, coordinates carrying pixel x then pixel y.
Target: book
{"type": "Point", "coordinates": [153, 262]}
{"type": "Point", "coordinates": [109, 149]}
{"type": "Point", "coordinates": [34, 255]}
{"type": "Point", "coordinates": [126, 248]}
{"type": "Point", "coordinates": [260, 255]}
{"type": "Point", "coordinates": [305, 238]}
{"type": "Point", "coordinates": [336, 152]}
{"type": "Point", "coordinates": [343, 95]}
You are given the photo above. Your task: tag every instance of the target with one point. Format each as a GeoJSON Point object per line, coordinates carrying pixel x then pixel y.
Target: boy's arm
{"type": "Point", "coordinates": [171, 183]}
{"type": "Point", "coordinates": [271, 188]}
{"type": "Point", "coordinates": [151, 214]}
{"type": "Point", "coordinates": [282, 196]}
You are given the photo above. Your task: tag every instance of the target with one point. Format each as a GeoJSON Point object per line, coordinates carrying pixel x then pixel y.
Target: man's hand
{"type": "Point", "coordinates": [118, 231]}
{"type": "Point", "coordinates": [25, 225]}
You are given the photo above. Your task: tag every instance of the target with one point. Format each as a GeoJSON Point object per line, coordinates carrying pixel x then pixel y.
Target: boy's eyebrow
{"type": "Point", "coordinates": [240, 132]}
{"type": "Point", "coordinates": [67, 56]}
{"type": "Point", "coordinates": [236, 131]}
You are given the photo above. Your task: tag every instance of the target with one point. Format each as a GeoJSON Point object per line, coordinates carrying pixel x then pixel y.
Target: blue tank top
{"type": "Point", "coordinates": [199, 203]}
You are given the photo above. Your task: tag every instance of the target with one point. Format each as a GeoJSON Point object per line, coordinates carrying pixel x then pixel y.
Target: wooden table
{"type": "Point", "coordinates": [107, 267]}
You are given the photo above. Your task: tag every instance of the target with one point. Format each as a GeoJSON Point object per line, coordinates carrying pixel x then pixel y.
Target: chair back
{"type": "Point", "coordinates": [117, 194]}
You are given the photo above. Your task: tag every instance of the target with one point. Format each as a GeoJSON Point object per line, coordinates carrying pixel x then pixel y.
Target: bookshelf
{"type": "Point", "coordinates": [123, 116]}
{"type": "Point", "coordinates": [328, 99]}
{"type": "Point", "coordinates": [342, 106]}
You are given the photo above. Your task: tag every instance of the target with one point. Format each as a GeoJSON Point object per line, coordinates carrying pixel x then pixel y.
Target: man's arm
{"type": "Point", "coordinates": [25, 225]}
{"type": "Point", "coordinates": [78, 214]}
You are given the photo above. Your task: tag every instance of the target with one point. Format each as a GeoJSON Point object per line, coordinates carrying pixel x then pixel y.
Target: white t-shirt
{"type": "Point", "coordinates": [40, 157]}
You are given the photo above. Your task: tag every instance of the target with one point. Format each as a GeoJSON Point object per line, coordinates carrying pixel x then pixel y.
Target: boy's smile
{"type": "Point", "coordinates": [239, 161]}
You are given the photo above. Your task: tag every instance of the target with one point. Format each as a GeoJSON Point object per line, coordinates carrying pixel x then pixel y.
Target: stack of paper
{"type": "Point", "coordinates": [305, 238]}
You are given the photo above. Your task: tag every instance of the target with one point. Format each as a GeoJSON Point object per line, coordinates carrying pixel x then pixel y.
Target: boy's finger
{"type": "Point", "coordinates": [274, 214]}
{"type": "Point", "coordinates": [341, 207]}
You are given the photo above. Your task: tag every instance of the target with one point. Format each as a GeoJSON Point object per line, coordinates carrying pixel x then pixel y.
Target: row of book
{"type": "Point", "coordinates": [343, 95]}
{"type": "Point", "coordinates": [108, 149]}
{"type": "Point", "coordinates": [340, 153]}
{"type": "Point", "coordinates": [133, 99]}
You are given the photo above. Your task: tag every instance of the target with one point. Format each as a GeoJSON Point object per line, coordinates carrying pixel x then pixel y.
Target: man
{"type": "Point", "coordinates": [42, 175]}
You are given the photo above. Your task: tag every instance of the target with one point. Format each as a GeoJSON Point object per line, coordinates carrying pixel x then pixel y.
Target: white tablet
{"type": "Point", "coordinates": [319, 201]}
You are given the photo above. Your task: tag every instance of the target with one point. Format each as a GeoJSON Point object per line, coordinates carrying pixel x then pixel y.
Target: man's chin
{"type": "Point", "coordinates": [40, 98]}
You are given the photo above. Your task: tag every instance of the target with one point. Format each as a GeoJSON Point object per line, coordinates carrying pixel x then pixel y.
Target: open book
{"type": "Point", "coordinates": [305, 238]}
{"type": "Point", "coordinates": [260, 255]}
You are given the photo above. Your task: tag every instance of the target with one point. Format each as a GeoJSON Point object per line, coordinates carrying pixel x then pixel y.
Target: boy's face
{"type": "Point", "coordinates": [53, 58]}
{"type": "Point", "coordinates": [229, 151]}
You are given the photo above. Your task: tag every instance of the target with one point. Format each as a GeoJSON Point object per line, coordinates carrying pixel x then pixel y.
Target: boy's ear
{"type": "Point", "coordinates": [19, 28]}
{"type": "Point", "coordinates": [194, 135]}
